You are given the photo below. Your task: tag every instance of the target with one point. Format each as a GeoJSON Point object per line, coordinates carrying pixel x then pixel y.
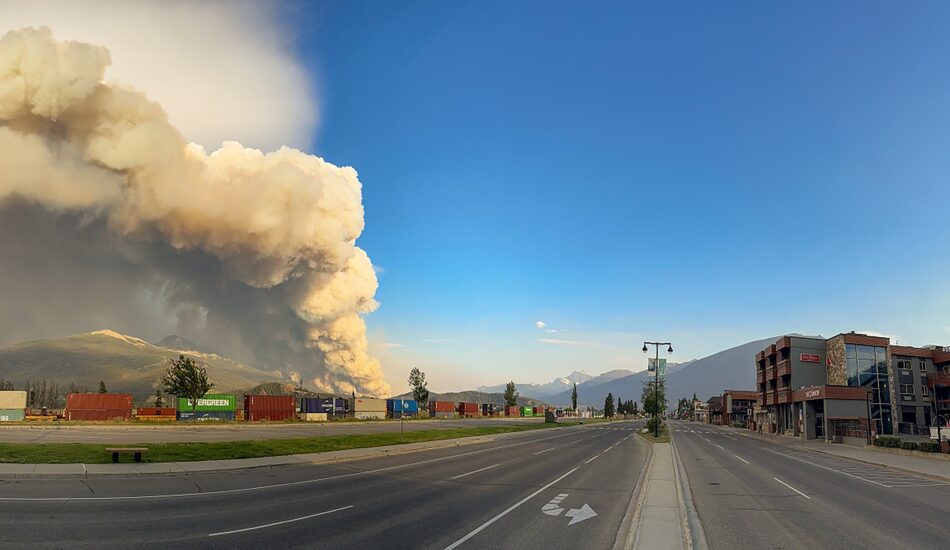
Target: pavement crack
{"type": "Point", "coordinates": [91, 490]}
{"type": "Point", "coordinates": [195, 483]}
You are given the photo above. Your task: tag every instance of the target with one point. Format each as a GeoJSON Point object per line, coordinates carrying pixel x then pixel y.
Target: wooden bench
{"type": "Point", "coordinates": [135, 451]}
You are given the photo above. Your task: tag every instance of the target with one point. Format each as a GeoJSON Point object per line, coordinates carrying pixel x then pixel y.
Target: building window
{"type": "Point", "coordinates": [903, 364]}
{"type": "Point", "coordinates": [907, 389]}
{"type": "Point", "coordinates": [922, 365]}
{"type": "Point", "coordinates": [924, 391]}
{"type": "Point", "coordinates": [867, 367]}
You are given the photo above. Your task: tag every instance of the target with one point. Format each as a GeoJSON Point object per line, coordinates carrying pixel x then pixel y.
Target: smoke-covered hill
{"type": "Point", "coordinates": [124, 363]}
{"type": "Point", "coordinates": [476, 397]}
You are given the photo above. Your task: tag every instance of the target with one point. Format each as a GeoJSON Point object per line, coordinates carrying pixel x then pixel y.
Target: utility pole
{"type": "Point", "coordinates": [656, 383]}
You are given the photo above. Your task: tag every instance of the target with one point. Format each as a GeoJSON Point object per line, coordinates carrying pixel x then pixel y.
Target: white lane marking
{"type": "Point", "coordinates": [278, 522]}
{"type": "Point", "coordinates": [275, 485]}
{"type": "Point", "coordinates": [573, 442]}
{"type": "Point", "coordinates": [792, 488]}
{"type": "Point", "coordinates": [553, 507]}
{"type": "Point", "coordinates": [742, 459]}
{"type": "Point", "coordinates": [595, 435]}
{"type": "Point", "coordinates": [476, 471]}
{"type": "Point", "coordinates": [718, 445]}
{"type": "Point", "coordinates": [544, 451]}
{"type": "Point", "coordinates": [591, 459]}
{"type": "Point", "coordinates": [482, 527]}
{"type": "Point", "coordinates": [825, 467]}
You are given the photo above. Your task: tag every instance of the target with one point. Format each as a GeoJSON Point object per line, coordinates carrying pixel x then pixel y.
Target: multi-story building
{"type": "Point", "coordinates": [714, 406]}
{"type": "Point", "coordinates": [737, 407]}
{"type": "Point", "coordinates": [813, 387]}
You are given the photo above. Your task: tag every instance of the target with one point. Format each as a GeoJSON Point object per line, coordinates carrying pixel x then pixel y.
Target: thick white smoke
{"type": "Point", "coordinates": [264, 242]}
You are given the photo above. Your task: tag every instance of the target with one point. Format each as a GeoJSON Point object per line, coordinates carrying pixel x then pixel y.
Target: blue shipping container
{"type": "Point", "coordinates": [399, 405]}
{"type": "Point", "coordinates": [207, 416]}
{"type": "Point", "coordinates": [323, 405]}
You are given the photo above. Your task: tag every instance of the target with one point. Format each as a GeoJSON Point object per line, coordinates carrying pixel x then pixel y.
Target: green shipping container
{"type": "Point", "coordinates": [527, 411]}
{"type": "Point", "coordinates": [211, 402]}
{"type": "Point", "coordinates": [11, 415]}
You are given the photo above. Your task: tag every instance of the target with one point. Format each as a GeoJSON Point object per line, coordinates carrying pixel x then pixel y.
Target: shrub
{"type": "Point", "coordinates": [888, 441]}
{"type": "Point", "coordinates": [928, 447]}
{"type": "Point", "coordinates": [651, 424]}
{"type": "Point", "coordinates": [909, 445]}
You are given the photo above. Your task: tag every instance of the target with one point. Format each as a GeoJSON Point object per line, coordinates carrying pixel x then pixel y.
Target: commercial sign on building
{"type": "Point", "coordinates": [811, 358]}
{"type": "Point", "coordinates": [811, 394]}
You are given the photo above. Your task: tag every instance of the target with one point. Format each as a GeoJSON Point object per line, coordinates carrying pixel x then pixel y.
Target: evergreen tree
{"type": "Point", "coordinates": [102, 386]}
{"type": "Point", "coordinates": [417, 382]}
{"type": "Point", "coordinates": [609, 406]}
{"type": "Point", "coordinates": [574, 397]}
{"type": "Point", "coordinates": [511, 394]}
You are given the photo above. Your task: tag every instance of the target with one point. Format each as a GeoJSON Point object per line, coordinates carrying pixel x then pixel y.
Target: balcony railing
{"type": "Point", "coordinates": [769, 399]}
{"type": "Point", "coordinates": [784, 368]}
{"type": "Point", "coordinates": [760, 377]}
{"type": "Point", "coordinates": [784, 396]}
{"type": "Point", "coordinates": [770, 373]}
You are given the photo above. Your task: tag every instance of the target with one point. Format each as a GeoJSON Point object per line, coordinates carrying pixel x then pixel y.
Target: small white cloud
{"type": "Point", "coordinates": [379, 269]}
{"type": "Point", "coordinates": [550, 330]}
{"type": "Point", "coordinates": [391, 345]}
{"type": "Point", "coordinates": [540, 324]}
{"type": "Point", "coordinates": [895, 338]}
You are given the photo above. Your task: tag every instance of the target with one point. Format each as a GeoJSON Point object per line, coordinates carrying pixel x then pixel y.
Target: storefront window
{"type": "Point", "coordinates": [867, 367]}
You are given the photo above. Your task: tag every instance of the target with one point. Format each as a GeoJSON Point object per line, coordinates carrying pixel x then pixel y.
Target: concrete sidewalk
{"type": "Point", "coordinates": [660, 522]}
{"type": "Point", "coordinates": [8, 471]}
{"type": "Point", "coordinates": [928, 467]}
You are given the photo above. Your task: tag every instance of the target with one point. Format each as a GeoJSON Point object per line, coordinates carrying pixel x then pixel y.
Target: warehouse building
{"type": "Point", "coordinates": [836, 388]}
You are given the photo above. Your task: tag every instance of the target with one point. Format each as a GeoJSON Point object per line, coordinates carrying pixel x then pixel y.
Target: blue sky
{"type": "Point", "coordinates": [702, 172]}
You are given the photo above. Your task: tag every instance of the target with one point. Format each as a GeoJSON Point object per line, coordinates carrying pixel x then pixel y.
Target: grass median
{"type": "Point", "coordinates": [94, 453]}
{"type": "Point", "coordinates": [663, 438]}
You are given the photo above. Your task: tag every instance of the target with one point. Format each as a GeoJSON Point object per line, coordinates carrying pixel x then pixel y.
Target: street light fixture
{"type": "Point", "coordinates": [656, 382]}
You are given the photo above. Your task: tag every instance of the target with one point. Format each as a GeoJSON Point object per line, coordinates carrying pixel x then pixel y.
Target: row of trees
{"type": "Point", "coordinates": [653, 402]}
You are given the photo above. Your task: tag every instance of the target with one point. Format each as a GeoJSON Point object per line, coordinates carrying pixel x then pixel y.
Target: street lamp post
{"type": "Point", "coordinates": [656, 383]}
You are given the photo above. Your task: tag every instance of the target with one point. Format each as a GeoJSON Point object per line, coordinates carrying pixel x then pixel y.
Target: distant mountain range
{"type": "Point", "coordinates": [125, 363]}
{"type": "Point", "coordinates": [542, 391]}
{"type": "Point", "coordinates": [476, 397]}
{"type": "Point", "coordinates": [731, 369]}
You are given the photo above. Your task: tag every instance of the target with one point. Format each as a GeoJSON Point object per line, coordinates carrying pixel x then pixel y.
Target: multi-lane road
{"type": "Point", "coordinates": [564, 488]}
{"type": "Point", "coordinates": [573, 487]}
{"type": "Point", "coordinates": [751, 493]}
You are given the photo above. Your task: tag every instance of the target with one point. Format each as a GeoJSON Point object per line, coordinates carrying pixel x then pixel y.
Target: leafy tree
{"type": "Point", "coordinates": [654, 402]}
{"type": "Point", "coordinates": [511, 394]}
{"type": "Point", "coordinates": [574, 397]}
{"type": "Point", "coordinates": [102, 386]}
{"type": "Point", "coordinates": [609, 406]}
{"type": "Point", "coordinates": [187, 379]}
{"type": "Point", "coordinates": [159, 397]}
{"type": "Point", "coordinates": [417, 381]}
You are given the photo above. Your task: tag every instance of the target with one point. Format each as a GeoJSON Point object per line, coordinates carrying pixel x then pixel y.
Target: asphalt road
{"type": "Point", "coordinates": [750, 493]}
{"type": "Point", "coordinates": [488, 495]}
{"type": "Point", "coordinates": [189, 432]}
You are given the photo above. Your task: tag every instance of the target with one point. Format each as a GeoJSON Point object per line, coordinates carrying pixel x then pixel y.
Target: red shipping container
{"type": "Point", "coordinates": [155, 411]}
{"type": "Point", "coordinates": [270, 407]}
{"type": "Point", "coordinates": [468, 408]}
{"type": "Point", "coordinates": [99, 414]}
{"type": "Point", "coordinates": [512, 411]}
{"type": "Point", "coordinates": [100, 401]}
{"type": "Point", "coordinates": [441, 406]}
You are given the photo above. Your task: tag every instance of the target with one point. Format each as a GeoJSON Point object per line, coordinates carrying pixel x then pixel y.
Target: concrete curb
{"type": "Point", "coordinates": [692, 526]}
{"type": "Point", "coordinates": [627, 533]}
{"type": "Point", "coordinates": [20, 471]}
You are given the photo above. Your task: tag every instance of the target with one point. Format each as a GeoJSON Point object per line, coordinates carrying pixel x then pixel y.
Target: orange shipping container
{"type": "Point", "coordinates": [270, 407]}
{"type": "Point", "coordinates": [441, 406]}
{"type": "Point", "coordinates": [99, 401]}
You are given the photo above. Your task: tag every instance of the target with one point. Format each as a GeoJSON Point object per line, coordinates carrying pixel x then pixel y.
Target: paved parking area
{"type": "Point", "coordinates": [878, 475]}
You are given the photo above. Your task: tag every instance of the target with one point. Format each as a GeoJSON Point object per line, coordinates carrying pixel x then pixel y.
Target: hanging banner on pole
{"type": "Point", "coordinates": [652, 366]}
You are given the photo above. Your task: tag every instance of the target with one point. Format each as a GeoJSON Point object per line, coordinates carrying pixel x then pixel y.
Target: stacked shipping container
{"type": "Point", "coordinates": [155, 413]}
{"type": "Point", "coordinates": [98, 406]}
{"type": "Point", "coordinates": [211, 407]}
{"type": "Point", "coordinates": [441, 409]}
{"type": "Point", "coordinates": [368, 408]}
{"type": "Point", "coordinates": [12, 405]}
{"type": "Point", "coordinates": [270, 407]}
{"type": "Point", "coordinates": [397, 408]}
{"type": "Point", "coordinates": [331, 406]}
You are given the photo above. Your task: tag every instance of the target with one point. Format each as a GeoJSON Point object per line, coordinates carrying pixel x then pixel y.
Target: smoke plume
{"type": "Point", "coordinates": [99, 192]}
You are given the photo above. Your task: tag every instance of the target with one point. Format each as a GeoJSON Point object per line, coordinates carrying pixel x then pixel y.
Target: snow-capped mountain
{"type": "Point", "coordinates": [540, 391]}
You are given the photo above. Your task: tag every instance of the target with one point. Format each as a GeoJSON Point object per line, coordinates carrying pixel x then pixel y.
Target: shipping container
{"type": "Point", "coordinates": [155, 411]}
{"type": "Point", "coordinates": [331, 406]}
{"type": "Point", "coordinates": [156, 417]}
{"type": "Point", "coordinates": [369, 404]}
{"type": "Point", "coordinates": [211, 402]}
{"type": "Point", "coordinates": [468, 409]}
{"type": "Point", "coordinates": [12, 415]}
{"type": "Point", "coordinates": [441, 406]}
{"type": "Point", "coordinates": [206, 416]}
{"type": "Point", "coordinates": [527, 411]}
{"type": "Point", "coordinates": [270, 407]}
{"type": "Point", "coordinates": [313, 417]}
{"type": "Point", "coordinates": [408, 406]}
{"type": "Point", "coordinates": [99, 401]}
{"type": "Point", "coordinates": [538, 411]}
{"type": "Point", "coordinates": [370, 415]}
{"type": "Point", "coordinates": [99, 414]}
{"type": "Point", "coordinates": [10, 399]}
{"type": "Point", "coordinates": [512, 411]}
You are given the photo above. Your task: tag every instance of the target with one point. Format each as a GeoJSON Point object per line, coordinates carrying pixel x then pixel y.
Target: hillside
{"type": "Point", "coordinates": [729, 369]}
{"type": "Point", "coordinates": [476, 397]}
{"type": "Point", "coordinates": [125, 363]}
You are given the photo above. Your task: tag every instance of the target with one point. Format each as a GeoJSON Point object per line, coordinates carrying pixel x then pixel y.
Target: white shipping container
{"type": "Point", "coordinates": [368, 404]}
{"type": "Point", "coordinates": [10, 399]}
{"type": "Point", "coordinates": [370, 415]}
{"type": "Point", "coordinates": [313, 417]}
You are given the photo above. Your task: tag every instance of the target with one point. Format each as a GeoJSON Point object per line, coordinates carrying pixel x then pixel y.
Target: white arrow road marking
{"type": "Point", "coordinates": [580, 514]}
{"type": "Point", "coordinates": [552, 508]}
